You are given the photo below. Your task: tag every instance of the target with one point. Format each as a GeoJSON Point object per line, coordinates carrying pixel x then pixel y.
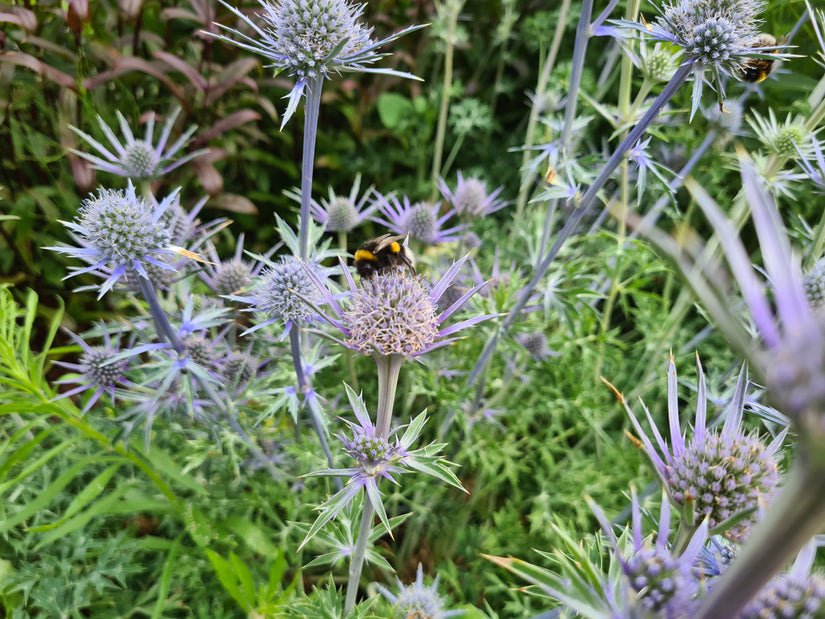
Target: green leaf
{"type": "Point", "coordinates": [198, 525]}
{"type": "Point", "coordinates": [164, 464]}
{"type": "Point", "coordinates": [226, 575]}
{"type": "Point", "coordinates": [253, 536]}
{"type": "Point", "coordinates": [394, 109]}
{"type": "Point", "coordinates": [166, 577]}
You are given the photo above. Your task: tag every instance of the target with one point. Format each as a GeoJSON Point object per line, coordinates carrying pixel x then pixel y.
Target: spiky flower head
{"type": "Point", "coordinates": [415, 601]}
{"type": "Point", "coordinates": [341, 213]}
{"type": "Point", "coordinates": [420, 220]}
{"type": "Point", "coordinates": [228, 277]}
{"type": "Point", "coordinates": [661, 582]}
{"type": "Point", "coordinates": [814, 282]}
{"type": "Point", "coordinates": [717, 38]}
{"type": "Point", "coordinates": [119, 233]}
{"type": "Point", "coordinates": [657, 63]}
{"type": "Point", "coordinates": [379, 456]}
{"type": "Point", "coordinates": [282, 292]}
{"type": "Point", "coordinates": [789, 140]}
{"type": "Point", "coordinates": [799, 593]}
{"type": "Point", "coordinates": [470, 198]}
{"type": "Point", "coordinates": [135, 158]}
{"type": "Point", "coordinates": [392, 314]}
{"type": "Point", "coordinates": [311, 40]}
{"type": "Point", "coordinates": [535, 343]}
{"type": "Point", "coordinates": [716, 474]}
{"type": "Point", "coordinates": [395, 313]}
{"type": "Point", "coordinates": [101, 369]}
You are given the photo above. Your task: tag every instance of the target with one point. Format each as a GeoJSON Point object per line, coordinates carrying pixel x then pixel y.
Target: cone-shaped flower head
{"type": "Point", "coordinates": [312, 40]}
{"type": "Point", "coordinates": [716, 474]}
{"type": "Point", "coordinates": [119, 232]}
{"type": "Point", "coordinates": [377, 458]}
{"type": "Point", "coordinates": [814, 283]}
{"type": "Point", "coordinates": [101, 369]}
{"type": "Point", "coordinates": [283, 291]}
{"type": "Point", "coordinates": [799, 593]}
{"type": "Point", "coordinates": [415, 601]}
{"type": "Point", "coordinates": [470, 198]}
{"type": "Point", "coordinates": [715, 36]}
{"type": "Point", "coordinates": [420, 220]}
{"type": "Point", "coordinates": [396, 313]}
{"type": "Point", "coordinates": [135, 158]}
{"type": "Point", "coordinates": [661, 582]}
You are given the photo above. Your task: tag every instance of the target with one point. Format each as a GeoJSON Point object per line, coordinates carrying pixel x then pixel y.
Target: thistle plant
{"type": "Point", "coordinates": [421, 220]}
{"type": "Point", "coordinates": [717, 476]}
{"type": "Point", "coordinates": [391, 316]}
{"type": "Point", "coordinates": [135, 158]}
{"type": "Point", "coordinates": [415, 601]}
{"type": "Point", "coordinates": [787, 355]}
{"type": "Point", "coordinates": [470, 199]}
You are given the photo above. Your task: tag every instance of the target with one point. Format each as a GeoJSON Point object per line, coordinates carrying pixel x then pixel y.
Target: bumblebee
{"type": "Point", "coordinates": [382, 254]}
{"type": "Point", "coordinates": [757, 69]}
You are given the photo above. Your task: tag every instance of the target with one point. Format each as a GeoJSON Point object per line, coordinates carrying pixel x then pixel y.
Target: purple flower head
{"type": "Point", "coordinates": [378, 458]}
{"type": "Point", "coordinates": [715, 474]}
{"type": "Point", "coordinates": [101, 368]}
{"type": "Point", "coordinates": [228, 277]}
{"type": "Point", "coordinates": [395, 313]}
{"type": "Point", "coordinates": [419, 220]}
{"type": "Point", "coordinates": [470, 198]}
{"type": "Point", "coordinates": [658, 581]}
{"type": "Point", "coordinates": [535, 343]}
{"type": "Point", "coordinates": [716, 37]}
{"type": "Point", "coordinates": [312, 40]}
{"type": "Point", "coordinates": [415, 601]}
{"type": "Point", "coordinates": [341, 213]}
{"type": "Point", "coordinates": [283, 291]}
{"type": "Point", "coordinates": [797, 593]}
{"type": "Point", "coordinates": [134, 158]}
{"type": "Point", "coordinates": [120, 233]}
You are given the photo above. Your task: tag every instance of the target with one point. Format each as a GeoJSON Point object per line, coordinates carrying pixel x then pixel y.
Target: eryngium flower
{"type": "Point", "coordinates": [799, 593]}
{"type": "Point", "coordinates": [134, 158]}
{"type": "Point", "coordinates": [282, 292]}
{"type": "Point", "coordinates": [312, 40]}
{"type": "Point", "coordinates": [395, 313]}
{"type": "Point", "coordinates": [420, 220]}
{"type": "Point", "coordinates": [789, 140]}
{"type": "Point", "coordinates": [661, 581]}
{"type": "Point", "coordinates": [416, 601]}
{"type": "Point", "coordinates": [378, 458]}
{"type": "Point", "coordinates": [719, 36]}
{"type": "Point", "coordinates": [470, 198]}
{"type": "Point", "coordinates": [101, 368]}
{"type": "Point", "coordinates": [391, 314]}
{"type": "Point", "coordinates": [814, 283]}
{"type": "Point", "coordinates": [120, 233]}
{"type": "Point", "coordinates": [227, 277]}
{"type": "Point", "coordinates": [341, 213]}
{"type": "Point", "coordinates": [717, 474]}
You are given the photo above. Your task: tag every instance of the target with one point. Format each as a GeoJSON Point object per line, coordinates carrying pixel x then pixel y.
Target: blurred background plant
{"type": "Point", "coordinates": [95, 522]}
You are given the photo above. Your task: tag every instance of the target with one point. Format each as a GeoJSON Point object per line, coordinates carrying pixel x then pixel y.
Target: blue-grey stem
{"type": "Point", "coordinates": [389, 368]}
{"type": "Point", "coordinates": [303, 390]}
{"type": "Point", "coordinates": [576, 70]}
{"type": "Point", "coordinates": [587, 201]}
{"type": "Point", "coordinates": [165, 329]}
{"type": "Point", "coordinates": [790, 522]}
{"type": "Point", "coordinates": [311, 111]}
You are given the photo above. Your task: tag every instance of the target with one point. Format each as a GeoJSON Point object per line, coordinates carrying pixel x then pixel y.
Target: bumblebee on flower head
{"type": "Point", "coordinates": [382, 254]}
{"type": "Point", "coordinates": [757, 69]}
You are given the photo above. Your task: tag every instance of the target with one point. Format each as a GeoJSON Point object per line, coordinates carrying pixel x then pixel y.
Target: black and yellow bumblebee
{"type": "Point", "coordinates": [382, 254]}
{"type": "Point", "coordinates": [757, 69]}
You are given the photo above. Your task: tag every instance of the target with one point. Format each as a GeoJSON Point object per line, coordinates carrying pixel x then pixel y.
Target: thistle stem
{"type": "Point", "coordinates": [389, 368]}
{"type": "Point", "coordinates": [162, 324]}
{"type": "Point", "coordinates": [312, 110]}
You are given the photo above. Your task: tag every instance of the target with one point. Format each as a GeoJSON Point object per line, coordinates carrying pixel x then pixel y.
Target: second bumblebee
{"type": "Point", "coordinates": [382, 254]}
